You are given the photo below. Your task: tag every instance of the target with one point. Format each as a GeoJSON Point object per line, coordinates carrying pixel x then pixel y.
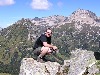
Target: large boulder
{"type": "Point", "coordinates": [29, 66]}
{"type": "Point", "coordinates": [82, 61]}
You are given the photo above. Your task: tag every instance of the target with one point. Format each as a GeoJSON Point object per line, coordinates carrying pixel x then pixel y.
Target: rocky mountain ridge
{"type": "Point", "coordinates": [50, 21]}
{"type": "Point", "coordinates": [80, 16]}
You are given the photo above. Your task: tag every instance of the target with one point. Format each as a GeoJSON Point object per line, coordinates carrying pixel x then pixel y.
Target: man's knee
{"type": "Point", "coordinates": [44, 48]}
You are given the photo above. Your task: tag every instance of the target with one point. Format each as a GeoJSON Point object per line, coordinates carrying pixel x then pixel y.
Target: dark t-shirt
{"type": "Point", "coordinates": [40, 40]}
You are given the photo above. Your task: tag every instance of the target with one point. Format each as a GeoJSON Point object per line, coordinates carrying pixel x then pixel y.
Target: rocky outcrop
{"type": "Point", "coordinates": [82, 62]}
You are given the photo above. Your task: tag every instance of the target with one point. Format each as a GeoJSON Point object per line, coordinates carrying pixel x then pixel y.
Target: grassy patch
{"type": "Point", "coordinates": [98, 74]}
{"type": "Point", "coordinates": [5, 74]}
{"type": "Point", "coordinates": [98, 64]}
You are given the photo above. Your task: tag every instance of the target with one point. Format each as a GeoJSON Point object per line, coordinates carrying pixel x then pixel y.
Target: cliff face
{"type": "Point", "coordinates": [81, 62]}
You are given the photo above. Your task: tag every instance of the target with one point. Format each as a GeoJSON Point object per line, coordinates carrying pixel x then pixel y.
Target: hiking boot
{"type": "Point", "coordinates": [39, 59]}
{"type": "Point", "coordinates": [44, 58]}
{"type": "Point", "coordinates": [53, 52]}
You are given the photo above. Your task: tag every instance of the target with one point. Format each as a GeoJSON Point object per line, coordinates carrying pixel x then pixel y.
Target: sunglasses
{"type": "Point", "coordinates": [49, 33]}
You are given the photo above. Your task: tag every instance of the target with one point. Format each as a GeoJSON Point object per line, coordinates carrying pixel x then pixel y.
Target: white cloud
{"type": "Point", "coordinates": [60, 4]}
{"type": "Point", "coordinates": [41, 4]}
{"type": "Point", "coordinates": [6, 2]}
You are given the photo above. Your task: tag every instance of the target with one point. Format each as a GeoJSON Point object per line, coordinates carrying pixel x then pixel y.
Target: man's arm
{"type": "Point", "coordinates": [49, 45]}
{"type": "Point", "coordinates": [44, 40]}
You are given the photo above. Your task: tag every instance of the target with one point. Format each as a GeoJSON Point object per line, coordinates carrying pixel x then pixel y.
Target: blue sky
{"type": "Point", "coordinates": [13, 10]}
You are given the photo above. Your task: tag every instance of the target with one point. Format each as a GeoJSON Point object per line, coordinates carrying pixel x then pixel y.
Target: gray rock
{"type": "Point", "coordinates": [80, 61]}
{"type": "Point", "coordinates": [30, 66]}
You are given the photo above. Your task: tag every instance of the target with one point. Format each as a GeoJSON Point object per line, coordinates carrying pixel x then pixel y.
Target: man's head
{"type": "Point", "coordinates": [48, 32]}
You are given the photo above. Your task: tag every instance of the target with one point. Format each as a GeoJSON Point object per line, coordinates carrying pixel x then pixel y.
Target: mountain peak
{"type": "Point", "coordinates": [83, 16]}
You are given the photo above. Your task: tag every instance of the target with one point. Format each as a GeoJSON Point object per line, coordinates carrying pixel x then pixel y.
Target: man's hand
{"type": "Point", "coordinates": [55, 48]}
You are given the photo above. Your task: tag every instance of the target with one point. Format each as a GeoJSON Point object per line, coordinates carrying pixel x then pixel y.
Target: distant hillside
{"type": "Point", "coordinates": [75, 31]}
{"type": "Point", "coordinates": [0, 28]}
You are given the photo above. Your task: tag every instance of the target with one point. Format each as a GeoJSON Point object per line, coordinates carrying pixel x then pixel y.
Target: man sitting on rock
{"type": "Point", "coordinates": [43, 44]}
